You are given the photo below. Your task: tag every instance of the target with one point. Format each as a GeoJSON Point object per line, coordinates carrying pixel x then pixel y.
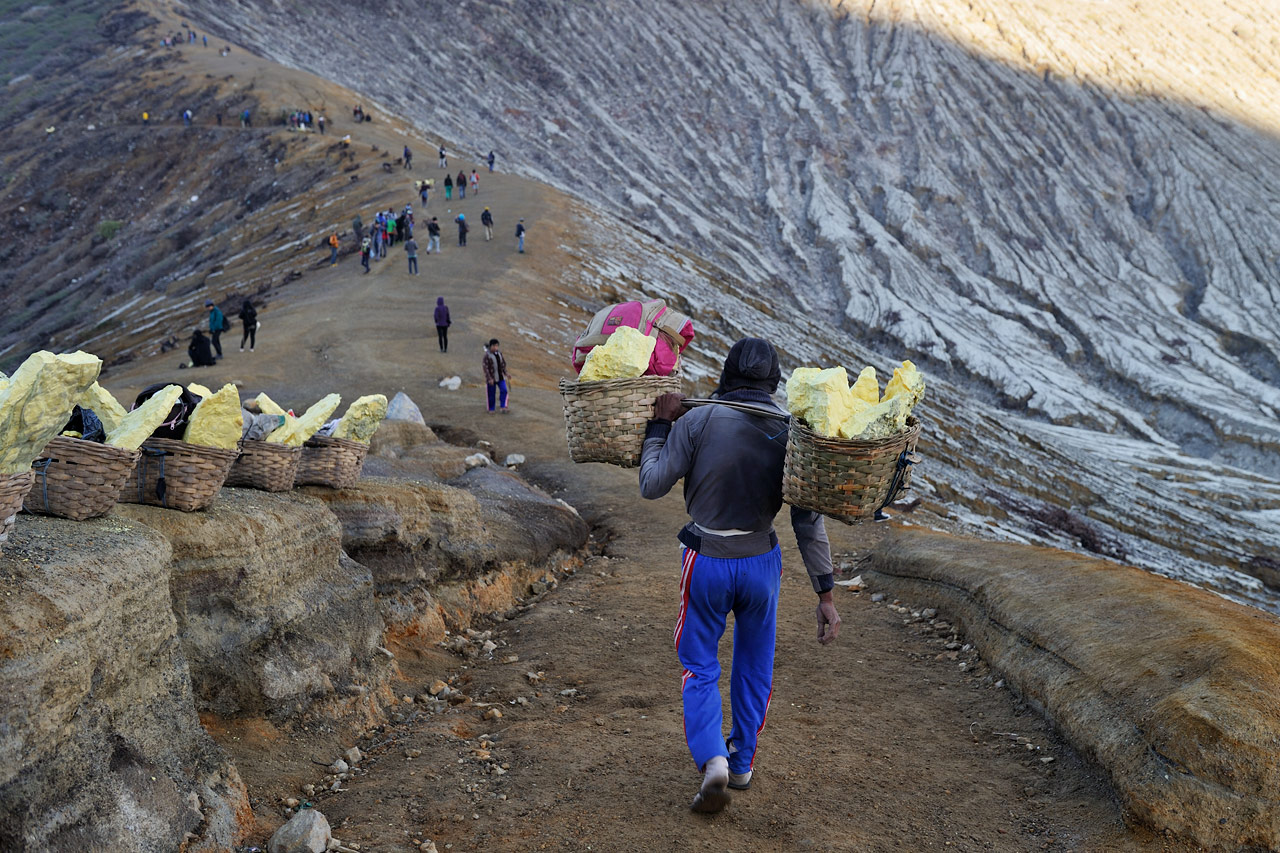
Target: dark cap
{"type": "Point", "coordinates": [751, 363]}
{"type": "Point", "coordinates": [208, 302]}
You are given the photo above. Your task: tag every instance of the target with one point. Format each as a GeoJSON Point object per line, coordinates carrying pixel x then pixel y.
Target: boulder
{"type": "Point", "coordinates": [102, 748]}
{"type": "Point", "coordinates": [306, 832]}
{"type": "Point", "coordinates": [272, 614]}
{"type": "Point", "coordinates": [401, 408]}
{"type": "Point", "coordinates": [403, 448]}
{"type": "Point", "coordinates": [1171, 689]}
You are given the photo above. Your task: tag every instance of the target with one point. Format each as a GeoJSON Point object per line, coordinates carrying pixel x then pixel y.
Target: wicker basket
{"type": "Point", "coordinates": [332, 462]}
{"type": "Point", "coordinates": [848, 480]}
{"type": "Point", "coordinates": [177, 475]}
{"type": "Point", "coordinates": [266, 465]}
{"type": "Point", "coordinates": [605, 421]}
{"type": "Point", "coordinates": [13, 488]}
{"type": "Point", "coordinates": [79, 479]}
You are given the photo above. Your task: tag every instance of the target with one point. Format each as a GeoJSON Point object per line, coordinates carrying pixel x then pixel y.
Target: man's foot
{"type": "Point", "coordinates": [241, 349]}
{"type": "Point", "coordinates": [712, 797]}
{"type": "Point", "coordinates": [740, 781]}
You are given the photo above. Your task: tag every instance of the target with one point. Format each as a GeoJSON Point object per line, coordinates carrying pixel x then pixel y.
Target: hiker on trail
{"type": "Point", "coordinates": [433, 236]}
{"type": "Point", "coordinates": [198, 350]}
{"type": "Point", "coordinates": [244, 119]}
{"type": "Point", "coordinates": [333, 249]}
{"type": "Point", "coordinates": [475, 183]}
{"type": "Point", "coordinates": [249, 320]}
{"type": "Point", "coordinates": [402, 226]}
{"type": "Point", "coordinates": [731, 464]}
{"type": "Point", "coordinates": [490, 160]}
{"type": "Point", "coordinates": [365, 251]}
{"type": "Point", "coordinates": [206, 40]}
{"type": "Point", "coordinates": [461, 184]}
{"type": "Point", "coordinates": [496, 375]}
{"type": "Point", "coordinates": [486, 219]}
{"type": "Point", "coordinates": [391, 230]}
{"type": "Point", "coordinates": [448, 187]}
{"type": "Point", "coordinates": [320, 124]}
{"type": "Point", "coordinates": [444, 161]}
{"type": "Point", "coordinates": [442, 324]}
{"type": "Point", "coordinates": [520, 236]}
{"type": "Point", "coordinates": [219, 117]}
{"type": "Point", "coordinates": [186, 117]}
{"type": "Point", "coordinates": [408, 158]}
{"type": "Point", "coordinates": [423, 192]}
{"type": "Point", "coordinates": [146, 117]}
{"type": "Point", "coordinates": [411, 247]}
{"type": "Point", "coordinates": [218, 323]}
{"type": "Point", "coordinates": [357, 225]}
{"type": "Point", "coordinates": [463, 228]}
{"type": "Point", "coordinates": [376, 233]}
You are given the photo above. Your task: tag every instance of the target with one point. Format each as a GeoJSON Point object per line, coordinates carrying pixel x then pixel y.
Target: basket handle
{"type": "Point", "coordinates": [42, 465]}
{"type": "Point", "coordinates": [905, 460]}
{"type": "Point", "coordinates": [142, 476]}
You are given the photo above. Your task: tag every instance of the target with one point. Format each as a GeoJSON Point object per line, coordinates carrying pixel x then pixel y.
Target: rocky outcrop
{"type": "Point", "coordinates": [101, 746]}
{"type": "Point", "coordinates": [273, 616]}
{"type": "Point", "coordinates": [1171, 689]}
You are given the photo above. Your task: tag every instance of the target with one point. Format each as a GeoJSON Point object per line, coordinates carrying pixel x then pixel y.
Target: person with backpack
{"type": "Point", "coordinates": [486, 219]}
{"type": "Point", "coordinates": [408, 158]}
{"type": "Point", "coordinates": [448, 187]}
{"type": "Point", "coordinates": [433, 236]}
{"type": "Point", "coordinates": [333, 249]}
{"type": "Point", "coordinates": [731, 462]}
{"type": "Point", "coordinates": [249, 320]}
{"type": "Point", "coordinates": [411, 248]}
{"type": "Point", "coordinates": [442, 323]}
{"type": "Point", "coordinates": [491, 158]}
{"type": "Point", "coordinates": [365, 251]}
{"type": "Point", "coordinates": [391, 230]}
{"type": "Point", "coordinates": [463, 228]}
{"type": "Point", "coordinates": [520, 236]}
{"type": "Point", "coordinates": [444, 161]}
{"type": "Point", "coordinates": [218, 323]}
{"type": "Point", "coordinates": [495, 375]}
{"type": "Point", "coordinates": [461, 184]}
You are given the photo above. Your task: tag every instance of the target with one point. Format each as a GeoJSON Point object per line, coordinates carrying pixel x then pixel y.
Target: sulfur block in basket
{"type": "Point", "coordinates": [138, 425]}
{"type": "Point", "coordinates": [866, 388]}
{"type": "Point", "coordinates": [4, 382]}
{"type": "Point", "coordinates": [216, 421]}
{"type": "Point", "coordinates": [268, 406]}
{"type": "Point", "coordinates": [625, 355]}
{"type": "Point", "coordinates": [362, 418]}
{"type": "Point", "coordinates": [822, 398]}
{"type": "Point", "coordinates": [885, 419]}
{"type": "Point", "coordinates": [104, 405]}
{"type": "Point", "coordinates": [37, 401]}
{"type": "Point", "coordinates": [296, 431]}
{"type": "Point", "coordinates": [199, 390]}
{"type": "Point", "coordinates": [907, 380]}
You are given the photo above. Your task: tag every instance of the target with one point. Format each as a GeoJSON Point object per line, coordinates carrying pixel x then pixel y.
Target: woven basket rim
{"type": "Point", "coordinates": [322, 440]}
{"type": "Point", "coordinates": [92, 448]}
{"type": "Point", "coordinates": [176, 446]}
{"type": "Point", "coordinates": [567, 384]}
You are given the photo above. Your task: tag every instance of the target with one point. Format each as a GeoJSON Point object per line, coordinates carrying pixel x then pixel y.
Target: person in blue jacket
{"type": "Point", "coordinates": [217, 325]}
{"type": "Point", "coordinates": [731, 463]}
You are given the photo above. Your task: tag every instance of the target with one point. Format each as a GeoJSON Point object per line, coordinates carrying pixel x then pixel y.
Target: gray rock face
{"type": "Point", "coordinates": [401, 408]}
{"type": "Point", "coordinates": [306, 832]}
{"type": "Point", "coordinates": [102, 749]}
{"type": "Point", "coordinates": [273, 615]}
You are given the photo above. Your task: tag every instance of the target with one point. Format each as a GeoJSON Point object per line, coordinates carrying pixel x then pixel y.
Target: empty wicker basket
{"type": "Point", "coordinates": [332, 462]}
{"type": "Point", "coordinates": [13, 487]}
{"type": "Point", "coordinates": [177, 475]}
{"type": "Point", "coordinates": [79, 479]}
{"type": "Point", "coordinates": [605, 421]}
{"type": "Point", "coordinates": [848, 480]}
{"type": "Point", "coordinates": [266, 465]}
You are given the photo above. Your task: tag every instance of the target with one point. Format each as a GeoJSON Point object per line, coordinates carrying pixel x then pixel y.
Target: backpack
{"type": "Point", "coordinates": [673, 330]}
{"type": "Point", "coordinates": [175, 425]}
{"type": "Point", "coordinates": [226, 323]}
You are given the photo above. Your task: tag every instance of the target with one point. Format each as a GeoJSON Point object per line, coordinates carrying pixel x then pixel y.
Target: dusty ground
{"type": "Point", "coordinates": [880, 742]}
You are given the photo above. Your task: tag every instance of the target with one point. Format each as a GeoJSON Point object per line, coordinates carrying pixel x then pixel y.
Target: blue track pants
{"type": "Point", "coordinates": [710, 588]}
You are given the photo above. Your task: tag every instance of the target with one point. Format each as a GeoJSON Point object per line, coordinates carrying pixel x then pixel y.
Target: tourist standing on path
{"type": "Point", "coordinates": [731, 463]}
{"type": "Point", "coordinates": [333, 249]}
{"type": "Point", "coordinates": [433, 236]}
{"type": "Point", "coordinates": [475, 183]}
{"type": "Point", "coordinates": [520, 236]}
{"type": "Point", "coordinates": [442, 324]}
{"type": "Point", "coordinates": [461, 184]}
{"type": "Point", "coordinates": [365, 251]}
{"type": "Point", "coordinates": [217, 325]}
{"type": "Point", "coordinates": [463, 228]}
{"type": "Point", "coordinates": [411, 247]}
{"type": "Point", "coordinates": [444, 161]}
{"type": "Point", "coordinates": [245, 120]}
{"type": "Point", "coordinates": [320, 124]}
{"type": "Point", "coordinates": [490, 161]}
{"type": "Point", "coordinates": [408, 158]}
{"type": "Point", "coordinates": [486, 219]}
{"type": "Point", "coordinates": [146, 117]}
{"type": "Point", "coordinates": [496, 376]}
{"type": "Point", "coordinates": [249, 321]}
{"type": "Point", "coordinates": [423, 192]}
{"type": "Point", "coordinates": [448, 187]}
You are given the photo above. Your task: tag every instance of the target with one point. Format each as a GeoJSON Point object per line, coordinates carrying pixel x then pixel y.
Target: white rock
{"type": "Point", "coordinates": [476, 460]}
{"type": "Point", "coordinates": [353, 756]}
{"type": "Point", "coordinates": [451, 383]}
{"type": "Point", "coordinates": [306, 832]}
{"type": "Point", "coordinates": [513, 459]}
{"type": "Point", "coordinates": [401, 408]}
{"type": "Point", "coordinates": [339, 766]}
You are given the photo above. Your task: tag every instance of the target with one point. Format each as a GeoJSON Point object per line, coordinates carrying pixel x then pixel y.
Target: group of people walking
{"type": "Point", "coordinates": [205, 351]}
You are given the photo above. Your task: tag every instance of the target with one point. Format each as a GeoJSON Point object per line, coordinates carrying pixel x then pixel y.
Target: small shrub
{"type": "Point", "coordinates": [109, 228]}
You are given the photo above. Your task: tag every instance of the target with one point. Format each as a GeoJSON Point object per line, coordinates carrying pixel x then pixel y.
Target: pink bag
{"type": "Point", "coordinates": [673, 330]}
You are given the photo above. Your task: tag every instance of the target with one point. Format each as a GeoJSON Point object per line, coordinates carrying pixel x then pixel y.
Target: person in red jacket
{"type": "Point", "coordinates": [495, 375]}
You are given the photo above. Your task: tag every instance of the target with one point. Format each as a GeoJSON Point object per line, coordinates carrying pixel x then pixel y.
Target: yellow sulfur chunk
{"type": "Point", "coordinates": [216, 421]}
{"type": "Point", "coordinates": [137, 426]}
{"type": "Point", "coordinates": [296, 431]}
{"type": "Point", "coordinates": [882, 420]}
{"type": "Point", "coordinates": [906, 380]}
{"type": "Point", "coordinates": [37, 401]}
{"type": "Point", "coordinates": [199, 390]}
{"type": "Point", "coordinates": [867, 388]}
{"type": "Point", "coordinates": [104, 405]}
{"type": "Point", "coordinates": [624, 356]}
{"type": "Point", "coordinates": [4, 382]}
{"type": "Point", "coordinates": [268, 406]}
{"type": "Point", "coordinates": [362, 418]}
{"type": "Point", "coordinates": [821, 398]}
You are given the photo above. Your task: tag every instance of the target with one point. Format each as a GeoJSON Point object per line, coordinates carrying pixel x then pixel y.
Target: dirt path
{"type": "Point", "coordinates": [881, 742]}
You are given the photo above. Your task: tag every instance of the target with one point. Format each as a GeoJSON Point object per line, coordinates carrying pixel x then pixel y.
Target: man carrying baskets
{"type": "Point", "coordinates": [731, 460]}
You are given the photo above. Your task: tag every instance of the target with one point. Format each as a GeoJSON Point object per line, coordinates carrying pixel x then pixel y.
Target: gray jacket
{"type": "Point", "coordinates": [731, 462]}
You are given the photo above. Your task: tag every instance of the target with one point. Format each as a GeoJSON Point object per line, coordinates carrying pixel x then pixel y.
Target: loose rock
{"type": "Point", "coordinates": [306, 832]}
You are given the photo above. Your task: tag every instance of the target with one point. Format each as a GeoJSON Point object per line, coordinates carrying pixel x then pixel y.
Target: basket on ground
{"type": "Point", "coordinates": [13, 488]}
{"type": "Point", "coordinates": [265, 465]}
{"type": "Point", "coordinates": [605, 420]}
{"type": "Point", "coordinates": [177, 475]}
{"type": "Point", "coordinates": [332, 462]}
{"type": "Point", "coordinates": [848, 480]}
{"type": "Point", "coordinates": [78, 479]}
